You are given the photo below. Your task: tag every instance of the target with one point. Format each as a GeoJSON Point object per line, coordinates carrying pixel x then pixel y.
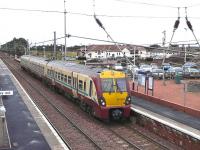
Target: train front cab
{"type": "Point", "coordinates": [115, 97]}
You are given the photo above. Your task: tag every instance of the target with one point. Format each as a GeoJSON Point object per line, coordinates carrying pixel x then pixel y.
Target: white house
{"type": "Point", "coordinates": [112, 51]}
{"type": "Point", "coordinates": [105, 51]}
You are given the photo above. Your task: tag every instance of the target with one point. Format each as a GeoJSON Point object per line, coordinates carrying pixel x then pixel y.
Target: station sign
{"type": "Point", "coordinates": [6, 93]}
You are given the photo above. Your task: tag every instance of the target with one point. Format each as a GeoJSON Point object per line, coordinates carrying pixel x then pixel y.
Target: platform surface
{"type": "Point", "coordinates": [168, 112]}
{"type": "Point", "coordinates": [174, 93]}
{"type": "Point", "coordinates": [27, 128]}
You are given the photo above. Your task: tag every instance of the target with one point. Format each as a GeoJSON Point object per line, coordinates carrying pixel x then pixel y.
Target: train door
{"type": "Point", "coordinates": [90, 89]}
{"type": "Point", "coordinates": [74, 87]}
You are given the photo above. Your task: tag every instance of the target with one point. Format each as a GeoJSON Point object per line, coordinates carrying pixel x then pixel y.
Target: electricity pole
{"type": "Point", "coordinates": [65, 29]}
{"type": "Point", "coordinates": [164, 38]}
{"type": "Point", "coordinates": [54, 48]}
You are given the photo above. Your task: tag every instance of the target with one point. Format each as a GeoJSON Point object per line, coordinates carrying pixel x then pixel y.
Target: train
{"type": "Point", "coordinates": [105, 94]}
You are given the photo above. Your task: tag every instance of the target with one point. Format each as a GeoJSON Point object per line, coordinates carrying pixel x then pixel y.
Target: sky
{"type": "Point", "coordinates": [144, 26]}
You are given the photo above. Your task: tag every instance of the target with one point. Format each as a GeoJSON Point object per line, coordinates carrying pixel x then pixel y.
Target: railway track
{"type": "Point", "coordinates": [18, 75]}
{"type": "Point", "coordinates": [136, 138]}
{"type": "Point", "coordinates": [75, 127]}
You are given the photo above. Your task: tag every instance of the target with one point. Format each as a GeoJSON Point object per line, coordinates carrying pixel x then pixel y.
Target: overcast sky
{"type": "Point", "coordinates": [146, 25]}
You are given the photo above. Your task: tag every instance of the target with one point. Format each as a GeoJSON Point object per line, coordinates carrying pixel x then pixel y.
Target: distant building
{"type": "Point", "coordinates": [104, 51]}
{"type": "Point", "coordinates": [141, 52]}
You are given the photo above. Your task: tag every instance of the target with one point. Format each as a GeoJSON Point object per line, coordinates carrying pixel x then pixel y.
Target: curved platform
{"type": "Point", "coordinates": [27, 128]}
{"type": "Point", "coordinates": [176, 119]}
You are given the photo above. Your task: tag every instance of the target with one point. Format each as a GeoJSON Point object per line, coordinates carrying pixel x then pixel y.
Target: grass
{"type": "Point", "coordinates": [49, 54]}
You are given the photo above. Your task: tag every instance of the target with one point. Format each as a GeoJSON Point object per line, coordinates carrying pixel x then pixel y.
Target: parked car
{"type": "Point", "coordinates": [118, 67]}
{"type": "Point", "coordinates": [189, 65]}
{"type": "Point", "coordinates": [145, 68]}
{"type": "Point", "coordinates": [191, 73]}
{"type": "Point", "coordinates": [133, 68]}
{"type": "Point", "coordinates": [166, 66]}
{"type": "Point", "coordinates": [157, 73]}
{"type": "Point", "coordinates": [172, 71]}
{"type": "Point", "coordinates": [154, 66]}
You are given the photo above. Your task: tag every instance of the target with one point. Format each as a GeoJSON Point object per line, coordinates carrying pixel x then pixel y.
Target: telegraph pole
{"type": "Point", "coordinates": [44, 54]}
{"type": "Point", "coordinates": [54, 48]}
{"type": "Point", "coordinates": [164, 38]}
{"type": "Point", "coordinates": [65, 29]}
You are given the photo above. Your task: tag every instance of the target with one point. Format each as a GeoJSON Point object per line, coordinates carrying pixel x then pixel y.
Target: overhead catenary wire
{"type": "Point", "coordinates": [31, 10]}
{"type": "Point", "coordinates": [91, 15]}
{"type": "Point", "coordinates": [145, 3]}
{"type": "Point", "coordinates": [108, 35]}
{"type": "Point", "coordinates": [176, 25]}
{"type": "Point", "coordinates": [107, 41]}
{"type": "Point", "coordinates": [190, 26]}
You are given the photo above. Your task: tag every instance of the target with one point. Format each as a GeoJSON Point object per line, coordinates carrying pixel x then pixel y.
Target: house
{"type": "Point", "coordinates": [104, 51]}
{"type": "Point", "coordinates": [112, 51]}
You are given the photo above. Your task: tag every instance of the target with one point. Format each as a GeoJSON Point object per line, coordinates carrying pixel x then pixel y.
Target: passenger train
{"type": "Point", "coordinates": [103, 93]}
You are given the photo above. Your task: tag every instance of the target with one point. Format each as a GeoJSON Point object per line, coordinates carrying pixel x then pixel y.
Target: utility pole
{"type": "Point", "coordinates": [62, 51]}
{"type": "Point", "coordinates": [65, 29]}
{"type": "Point", "coordinates": [54, 48]}
{"type": "Point", "coordinates": [44, 54]}
{"type": "Point", "coordinates": [134, 55]}
{"type": "Point", "coordinates": [36, 49]}
{"type": "Point", "coordinates": [164, 38]}
{"type": "Point", "coordinates": [185, 58]}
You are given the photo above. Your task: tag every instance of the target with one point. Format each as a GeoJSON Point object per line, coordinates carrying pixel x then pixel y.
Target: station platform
{"type": "Point", "coordinates": [178, 120]}
{"type": "Point", "coordinates": [25, 127]}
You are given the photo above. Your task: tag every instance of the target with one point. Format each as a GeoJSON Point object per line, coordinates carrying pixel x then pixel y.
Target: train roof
{"type": "Point", "coordinates": [75, 67]}
{"type": "Point", "coordinates": [40, 60]}
{"type": "Point", "coordinates": [65, 65]}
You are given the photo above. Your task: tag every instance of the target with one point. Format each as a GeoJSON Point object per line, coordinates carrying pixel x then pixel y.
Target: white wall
{"type": "Point", "coordinates": [107, 54]}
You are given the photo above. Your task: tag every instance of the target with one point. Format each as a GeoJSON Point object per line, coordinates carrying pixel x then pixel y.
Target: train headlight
{"type": "Point", "coordinates": [128, 100]}
{"type": "Point", "coordinates": [102, 102]}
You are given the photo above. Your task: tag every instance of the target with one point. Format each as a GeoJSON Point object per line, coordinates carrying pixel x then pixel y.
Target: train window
{"type": "Point", "coordinates": [90, 90]}
{"type": "Point", "coordinates": [84, 88]}
{"type": "Point", "coordinates": [69, 80]}
{"type": "Point", "coordinates": [107, 85]}
{"type": "Point", "coordinates": [121, 85]}
{"type": "Point", "coordinates": [58, 76]}
{"type": "Point", "coordinates": [65, 79]}
{"type": "Point", "coordinates": [80, 85]}
{"type": "Point", "coordinates": [62, 77]}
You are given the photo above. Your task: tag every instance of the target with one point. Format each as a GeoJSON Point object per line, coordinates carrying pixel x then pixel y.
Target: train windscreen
{"type": "Point", "coordinates": [107, 85]}
{"type": "Point", "coordinates": [121, 85]}
{"type": "Point", "coordinates": [111, 85]}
